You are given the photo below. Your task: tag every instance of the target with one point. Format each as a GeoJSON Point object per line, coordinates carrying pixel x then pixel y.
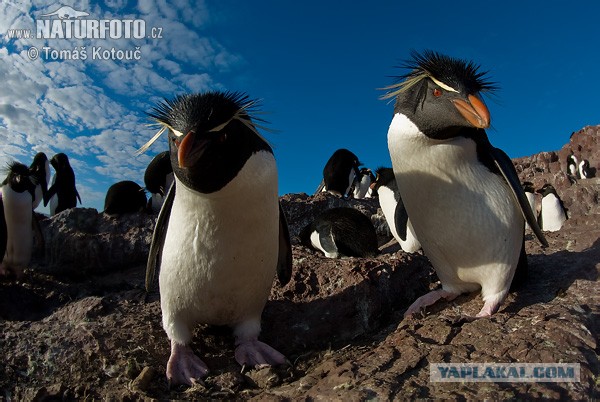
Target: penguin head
{"type": "Point", "coordinates": [547, 189]}
{"type": "Point", "coordinates": [528, 187]}
{"type": "Point", "coordinates": [60, 162]}
{"type": "Point", "coordinates": [155, 176]}
{"type": "Point", "coordinates": [441, 95]}
{"type": "Point", "coordinates": [211, 136]}
{"type": "Point", "coordinates": [19, 178]}
{"type": "Point", "coordinates": [385, 177]}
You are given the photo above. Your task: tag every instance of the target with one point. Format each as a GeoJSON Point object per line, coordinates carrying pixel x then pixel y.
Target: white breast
{"type": "Point", "coordinates": [553, 214]}
{"type": "Point", "coordinates": [531, 199]}
{"type": "Point", "coordinates": [388, 206]}
{"type": "Point", "coordinates": [220, 252]}
{"type": "Point", "coordinates": [463, 215]}
{"type": "Point", "coordinates": [360, 191]}
{"type": "Point", "coordinates": [18, 212]}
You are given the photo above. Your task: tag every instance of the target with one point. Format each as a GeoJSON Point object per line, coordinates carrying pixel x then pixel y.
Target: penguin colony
{"type": "Point", "coordinates": [221, 236]}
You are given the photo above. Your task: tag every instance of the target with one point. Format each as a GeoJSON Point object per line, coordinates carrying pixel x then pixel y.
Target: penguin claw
{"type": "Point", "coordinates": [184, 367]}
{"type": "Point", "coordinates": [254, 353]}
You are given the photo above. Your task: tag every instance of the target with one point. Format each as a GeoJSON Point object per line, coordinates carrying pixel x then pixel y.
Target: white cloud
{"type": "Point", "coordinates": [94, 110]}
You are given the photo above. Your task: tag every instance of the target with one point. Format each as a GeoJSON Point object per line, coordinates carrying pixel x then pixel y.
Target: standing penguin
{"type": "Point", "coordinates": [584, 169]}
{"type": "Point", "coordinates": [462, 194]}
{"type": "Point", "coordinates": [16, 234]}
{"type": "Point", "coordinates": [339, 173]}
{"type": "Point", "coordinates": [553, 213]}
{"type": "Point", "coordinates": [530, 194]}
{"type": "Point", "coordinates": [124, 197]}
{"type": "Point", "coordinates": [572, 166]}
{"type": "Point", "coordinates": [393, 209]}
{"type": "Point", "coordinates": [158, 178]}
{"type": "Point", "coordinates": [221, 234]}
{"type": "Point", "coordinates": [40, 169]}
{"type": "Point", "coordinates": [341, 231]}
{"type": "Point", "coordinates": [63, 193]}
{"type": "Point", "coordinates": [362, 183]}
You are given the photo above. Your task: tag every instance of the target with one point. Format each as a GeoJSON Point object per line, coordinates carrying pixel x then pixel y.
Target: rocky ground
{"type": "Point", "coordinates": [80, 325]}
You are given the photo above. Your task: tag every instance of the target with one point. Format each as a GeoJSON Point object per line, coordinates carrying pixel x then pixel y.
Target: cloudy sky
{"type": "Point", "coordinates": [316, 66]}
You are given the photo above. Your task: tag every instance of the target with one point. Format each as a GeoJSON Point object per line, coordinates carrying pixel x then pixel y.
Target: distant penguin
{"type": "Point", "coordinates": [158, 179]}
{"type": "Point", "coordinates": [553, 213]}
{"type": "Point", "coordinates": [572, 166]}
{"type": "Point", "coordinates": [530, 194]}
{"type": "Point", "coordinates": [40, 169]}
{"type": "Point", "coordinates": [124, 197]}
{"type": "Point", "coordinates": [584, 169]}
{"type": "Point", "coordinates": [221, 235]}
{"type": "Point", "coordinates": [63, 193]}
{"type": "Point", "coordinates": [362, 183]}
{"type": "Point", "coordinates": [339, 173]}
{"type": "Point", "coordinates": [462, 194]}
{"type": "Point", "coordinates": [394, 211]}
{"type": "Point", "coordinates": [341, 232]}
{"type": "Point", "coordinates": [16, 235]}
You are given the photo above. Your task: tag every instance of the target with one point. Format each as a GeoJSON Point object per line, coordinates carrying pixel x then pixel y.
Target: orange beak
{"type": "Point", "coordinates": [184, 149]}
{"type": "Point", "coordinates": [474, 111]}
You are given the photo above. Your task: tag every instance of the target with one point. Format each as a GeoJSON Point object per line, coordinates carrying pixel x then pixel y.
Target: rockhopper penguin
{"type": "Point", "coordinates": [462, 194]}
{"type": "Point", "coordinates": [221, 234]}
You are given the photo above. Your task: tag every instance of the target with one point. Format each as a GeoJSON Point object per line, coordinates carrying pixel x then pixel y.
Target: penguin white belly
{"type": "Point", "coordinates": [463, 214]}
{"type": "Point", "coordinates": [18, 214]}
{"type": "Point", "coordinates": [553, 214]}
{"type": "Point", "coordinates": [53, 199]}
{"type": "Point", "coordinates": [220, 252]}
{"type": "Point", "coordinates": [316, 242]}
{"type": "Point", "coordinates": [388, 203]}
{"type": "Point", "coordinates": [362, 187]}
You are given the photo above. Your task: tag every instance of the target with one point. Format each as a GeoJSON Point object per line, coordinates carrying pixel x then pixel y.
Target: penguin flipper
{"type": "Point", "coordinates": [37, 231]}
{"type": "Point", "coordinates": [506, 167]}
{"type": "Point", "coordinates": [78, 197]}
{"type": "Point", "coordinates": [158, 238]}
{"type": "Point", "coordinates": [284, 260]}
{"type": "Point", "coordinates": [401, 220]}
{"type": "Point", "coordinates": [49, 194]}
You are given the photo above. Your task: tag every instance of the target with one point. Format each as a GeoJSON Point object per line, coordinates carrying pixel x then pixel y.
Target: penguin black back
{"type": "Point", "coordinates": [124, 197]}
{"type": "Point", "coordinates": [156, 173]}
{"type": "Point", "coordinates": [64, 184]}
{"type": "Point", "coordinates": [353, 233]}
{"type": "Point", "coordinates": [337, 171]}
{"type": "Point", "coordinates": [213, 133]}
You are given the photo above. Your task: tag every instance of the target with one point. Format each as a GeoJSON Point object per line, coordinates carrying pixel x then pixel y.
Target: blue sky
{"type": "Point", "coordinates": [316, 65]}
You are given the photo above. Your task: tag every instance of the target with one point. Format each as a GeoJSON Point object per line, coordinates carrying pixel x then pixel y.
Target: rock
{"type": "Point", "coordinates": [80, 242]}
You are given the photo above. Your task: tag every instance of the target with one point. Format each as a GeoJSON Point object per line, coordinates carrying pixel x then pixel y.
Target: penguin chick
{"type": "Point", "coordinates": [341, 232]}
{"type": "Point", "coordinates": [158, 178]}
{"type": "Point", "coordinates": [124, 197]}
{"type": "Point", "coordinates": [63, 193]}
{"type": "Point", "coordinates": [16, 234]}
{"type": "Point", "coordinates": [339, 173]}
{"type": "Point", "coordinates": [40, 169]}
{"type": "Point", "coordinates": [553, 213]}
{"type": "Point", "coordinates": [221, 234]}
{"type": "Point", "coordinates": [394, 211]}
{"type": "Point", "coordinates": [462, 194]}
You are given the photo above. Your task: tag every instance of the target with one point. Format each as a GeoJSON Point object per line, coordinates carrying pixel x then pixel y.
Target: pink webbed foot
{"type": "Point", "coordinates": [427, 300]}
{"type": "Point", "coordinates": [184, 367]}
{"type": "Point", "coordinates": [254, 353]}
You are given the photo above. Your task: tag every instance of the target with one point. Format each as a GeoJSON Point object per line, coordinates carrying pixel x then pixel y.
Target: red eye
{"type": "Point", "coordinates": [437, 92]}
